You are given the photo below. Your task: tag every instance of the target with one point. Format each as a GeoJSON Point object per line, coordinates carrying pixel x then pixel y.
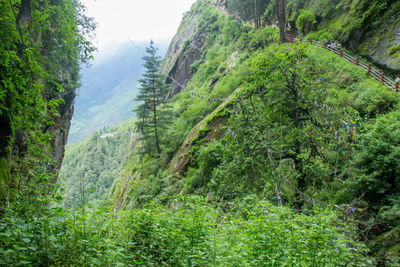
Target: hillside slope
{"type": "Point", "coordinates": [287, 123]}
{"type": "Point", "coordinates": [277, 154]}
{"type": "Point", "coordinates": [90, 166]}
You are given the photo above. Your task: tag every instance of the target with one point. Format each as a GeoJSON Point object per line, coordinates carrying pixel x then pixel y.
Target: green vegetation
{"type": "Point", "coordinates": [305, 21]}
{"type": "Point", "coordinates": [90, 167]}
{"type": "Point", "coordinates": [41, 47]}
{"type": "Point", "coordinates": [282, 155]}
{"type": "Point", "coordinates": [152, 113]}
{"type": "Point", "coordinates": [189, 232]}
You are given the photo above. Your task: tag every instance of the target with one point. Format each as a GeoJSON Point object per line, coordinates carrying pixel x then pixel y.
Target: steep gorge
{"type": "Point", "coordinates": [280, 154]}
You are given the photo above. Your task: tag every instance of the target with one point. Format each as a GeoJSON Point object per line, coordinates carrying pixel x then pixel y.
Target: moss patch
{"type": "Point", "coordinates": [211, 127]}
{"type": "Point", "coordinates": [5, 178]}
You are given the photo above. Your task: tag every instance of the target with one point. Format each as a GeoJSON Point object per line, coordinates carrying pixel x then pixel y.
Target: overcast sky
{"type": "Point", "coordinates": [140, 20]}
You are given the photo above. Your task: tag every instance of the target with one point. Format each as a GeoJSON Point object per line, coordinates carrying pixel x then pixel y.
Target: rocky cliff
{"type": "Point", "coordinates": [41, 49]}
{"type": "Point", "coordinates": [370, 28]}
{"type": "Point", "coordinates": [60, 129]}
{"type": "Point", "coordinates": [186, 47]}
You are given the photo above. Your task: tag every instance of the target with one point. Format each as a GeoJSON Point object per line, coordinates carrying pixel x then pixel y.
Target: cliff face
{"type": "Point", "coordinates": [59, 131]}
{"type": "Point", "coordinates": [382, 44]}
{"type": "Point", "coordinates": [40, 55]}
{"type": "Point", "coordinates": [15, 145]}
{"type": "Point", "coordinates": [377, 35]}
{"type": "Point", "coordinates": [186, 47]}
{"type": "Point", "coordinates": [370, 28]}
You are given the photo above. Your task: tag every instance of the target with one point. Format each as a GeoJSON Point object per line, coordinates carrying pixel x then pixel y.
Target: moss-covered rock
{"type": "Point", "coordinates": [211, 127]}
{"type": "Point", "coordinates": [121, 189]}
{"type": "Point", "coordinates": [387, 247]}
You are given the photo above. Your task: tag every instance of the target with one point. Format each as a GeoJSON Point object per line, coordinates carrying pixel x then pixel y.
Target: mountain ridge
{"type": "Point", "coordinates": [108, 89]}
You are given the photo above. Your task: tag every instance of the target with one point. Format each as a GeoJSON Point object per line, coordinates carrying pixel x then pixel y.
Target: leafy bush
{"type": "Point", "coordinates": [373, 100]}
{"type": "Point", "coordinates": [306, 21]}
{"type": "Point", "coordinates": [322, 36]}
{"type": "Point", "coordinates": [262, 37]}
{"type": "Point", "coordinates": [378, 161]}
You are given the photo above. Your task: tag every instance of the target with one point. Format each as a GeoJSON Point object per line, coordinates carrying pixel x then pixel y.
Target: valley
{"type": "Point", "coordinates": [244, 145]}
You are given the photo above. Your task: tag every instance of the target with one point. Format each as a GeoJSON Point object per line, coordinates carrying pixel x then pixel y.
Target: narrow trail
{"type": "Point", "coordinates": [376, 73]}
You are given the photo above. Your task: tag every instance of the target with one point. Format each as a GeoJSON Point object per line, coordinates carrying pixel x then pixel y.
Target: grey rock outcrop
{"type": "Point", "coordinates": [186, 47]}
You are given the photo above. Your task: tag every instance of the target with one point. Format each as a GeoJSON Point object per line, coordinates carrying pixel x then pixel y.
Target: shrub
{"type": "Point", "coordinates": [306, 21]}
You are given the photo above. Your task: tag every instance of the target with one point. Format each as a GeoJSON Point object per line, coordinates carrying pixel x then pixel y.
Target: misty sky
{"type": "Point", "coordinates": [140, 20]}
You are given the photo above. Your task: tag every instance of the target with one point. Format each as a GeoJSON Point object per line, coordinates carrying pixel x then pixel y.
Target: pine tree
{"type": "Point", "coordinates": [152, 114]}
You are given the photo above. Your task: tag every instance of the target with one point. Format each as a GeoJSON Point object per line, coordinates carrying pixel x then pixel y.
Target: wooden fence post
{"type": "Point", "coordinates": [369, 68]}
{"type": "Point", "coordinates": [382, 76]}
{"type": "Point", "coordinates": [357, 60]}
{"type": "Point", "coordinates": [341, 53]}
{"type": "Point", "coordinates": [310, 41]}
{"type": "Point", "coordinates": [325, 45]}
{"type": "Point", "coordinates": [396, 86]}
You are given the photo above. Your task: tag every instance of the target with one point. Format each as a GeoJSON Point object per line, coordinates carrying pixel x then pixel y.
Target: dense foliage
{"type": "Point", "coordinates": [42, 45]}
{"type": "Point", "coordinates": [151, 112]}
{"type": "Point", "coordinates": [305, 21]}
{"type": "Point", "coordinates": [90, 167]}
{"type": "Point", "coordinates": [189, 232]}
{"type": "Point", "coordinates": [292, 133]}
{"type": "Point", "coordinates": [282, 155]}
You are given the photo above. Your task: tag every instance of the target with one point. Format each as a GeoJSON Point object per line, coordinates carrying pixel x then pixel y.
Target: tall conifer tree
{"type": "Point", "coordinates": [151, 113]}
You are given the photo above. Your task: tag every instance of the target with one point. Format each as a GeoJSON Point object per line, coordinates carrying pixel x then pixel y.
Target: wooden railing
{"type": "Point", "coordinates": [375, 73]}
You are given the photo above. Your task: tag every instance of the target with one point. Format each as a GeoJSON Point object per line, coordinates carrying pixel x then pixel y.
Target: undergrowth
{"type": "Point", "coordinates": [189, 231]}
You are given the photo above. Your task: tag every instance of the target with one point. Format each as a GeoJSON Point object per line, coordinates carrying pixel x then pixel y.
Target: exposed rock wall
{"type": "Point", "coordinates": [186, 47]}
{"type": "Point", "coordinates": [370, 28]}
{"type": "Point", "coordinates": [34, 68]}
{"type": "Point", "coordinates": [59, 131]}
{"type": "Point", "coordinates": [379, 43]}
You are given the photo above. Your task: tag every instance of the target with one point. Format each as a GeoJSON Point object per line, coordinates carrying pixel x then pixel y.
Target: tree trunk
{"type": "Point", "coordinates": [155, 121]}
{"type": "Point", "coordinates": [24, 14]}
{"type": "Point", "coordinates": [297, 150]}
{"type": "Point", "coordinates": [281, 14]}
{"type": "Point", "coordinates": [5, 134]}
{"type": "Point", "coordinates": [255, 15]}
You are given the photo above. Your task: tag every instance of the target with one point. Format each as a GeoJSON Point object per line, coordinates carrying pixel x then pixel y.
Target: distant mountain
{"type": "Point", "coordinates": [108, 89]}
